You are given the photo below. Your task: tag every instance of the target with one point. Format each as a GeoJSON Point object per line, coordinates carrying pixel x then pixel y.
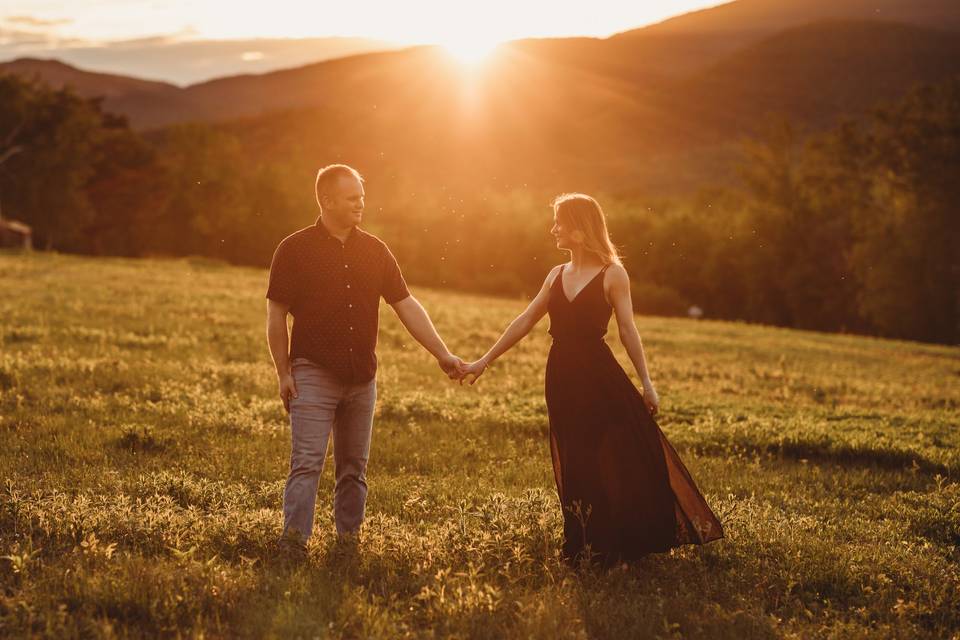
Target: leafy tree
{"type": "Point", "coordinates": [858, 229]}
{"type": "Point", "coordinates": [56, 133]}
{"type": "Point", "coordinates": [905, 255]}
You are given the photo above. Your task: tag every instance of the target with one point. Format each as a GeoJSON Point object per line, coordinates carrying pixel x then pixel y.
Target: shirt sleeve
{"type": "Point", "coordinates": [282, 280]}
{"type": "Point", "coordinates": [394, 288]}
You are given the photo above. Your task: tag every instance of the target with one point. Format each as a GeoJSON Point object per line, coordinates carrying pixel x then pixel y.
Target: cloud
{"type": "Point", "coordinates": [24, 33]}
{"type": "Point", "coordinates": [164, 39]}
{"type": "Point", "coordinates": [31, 21]}
{"type": "Point", "coordinates": [148, 41]}
{"type": "Point", "coordinates": [14, 40]}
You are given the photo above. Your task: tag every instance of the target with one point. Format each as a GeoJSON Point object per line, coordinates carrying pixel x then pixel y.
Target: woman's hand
{"type": "Point", "coordinates": [650, 398]}
{"type": "Point", "coordinates": [473, 370]}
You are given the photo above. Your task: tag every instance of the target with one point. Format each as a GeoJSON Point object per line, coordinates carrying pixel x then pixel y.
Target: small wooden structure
{"type": "Point", "coordinates": [15, 234]}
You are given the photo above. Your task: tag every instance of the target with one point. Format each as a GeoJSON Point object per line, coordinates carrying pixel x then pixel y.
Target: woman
{"type": "Point", "coordinates": [623, 489]}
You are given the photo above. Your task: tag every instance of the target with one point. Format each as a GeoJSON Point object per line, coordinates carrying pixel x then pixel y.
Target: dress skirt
{"type": "Point", "coordinates": [623, 489]}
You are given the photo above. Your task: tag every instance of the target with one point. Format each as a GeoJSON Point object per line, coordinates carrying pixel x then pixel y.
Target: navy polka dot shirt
{"type": "Point", "coordinates": [333, 290]}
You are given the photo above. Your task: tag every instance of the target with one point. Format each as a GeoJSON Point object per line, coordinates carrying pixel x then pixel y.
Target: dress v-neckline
{"type": "Point", "coordinates": [589, 282]}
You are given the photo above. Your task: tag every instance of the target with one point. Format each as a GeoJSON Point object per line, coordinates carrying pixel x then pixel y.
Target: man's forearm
{"type": "Point", "coordinates": [414, 317]}
{"type": "Point", "coordinates": [279, 342]}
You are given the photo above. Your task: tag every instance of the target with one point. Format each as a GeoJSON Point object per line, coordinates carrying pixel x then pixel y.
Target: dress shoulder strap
{"type": "Point", "coordinates": [556, 278]}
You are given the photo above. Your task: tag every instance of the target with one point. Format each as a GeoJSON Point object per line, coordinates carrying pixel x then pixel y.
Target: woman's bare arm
{"type": "Point", "coordinates": [517, 329]}
{"type": "Point", "coordinates": [618, 292]}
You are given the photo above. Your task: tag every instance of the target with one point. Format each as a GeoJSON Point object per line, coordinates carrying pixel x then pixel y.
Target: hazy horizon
{"type": "Point", "coordinates": [172, 43]}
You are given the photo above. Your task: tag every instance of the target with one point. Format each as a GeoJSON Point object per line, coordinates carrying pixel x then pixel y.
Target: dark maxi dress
{"type": "Point", "coordinates": [610, 457]}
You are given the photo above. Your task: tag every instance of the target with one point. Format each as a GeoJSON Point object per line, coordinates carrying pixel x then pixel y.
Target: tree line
{"type": "Point", "coordinates": [855, 229]}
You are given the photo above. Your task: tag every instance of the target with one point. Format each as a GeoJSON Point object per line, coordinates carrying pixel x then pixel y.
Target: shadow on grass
{"type": "Point", "coordinates": [689, 595]}
{"type": "Point", "coordinates": [829, 452]}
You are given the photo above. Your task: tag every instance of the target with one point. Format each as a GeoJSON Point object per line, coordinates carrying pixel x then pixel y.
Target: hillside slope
{"type": "Point", "coordinates": [815, 73]}
{"type": "Point", "coordinates": [647, 59]}
{"type": "Point", "coordinates": [141, 101]}
{"type": "Point", "coordinates": [144, 451]}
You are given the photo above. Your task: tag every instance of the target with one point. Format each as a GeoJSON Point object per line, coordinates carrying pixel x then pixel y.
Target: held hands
{"type": "Point", "coordinates": [457, 369]}
{"type": "Point", "coordinates": [472, 371]}
{"type": "Point", "coordinates": [450, 365]}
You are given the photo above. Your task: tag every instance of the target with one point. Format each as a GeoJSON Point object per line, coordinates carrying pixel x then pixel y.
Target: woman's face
{"type": "Point", "coordinates": [562, 236]}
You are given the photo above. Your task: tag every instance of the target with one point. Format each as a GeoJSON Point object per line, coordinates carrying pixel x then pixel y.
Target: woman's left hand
{"type": "Point", "coordinates": [650, 399]}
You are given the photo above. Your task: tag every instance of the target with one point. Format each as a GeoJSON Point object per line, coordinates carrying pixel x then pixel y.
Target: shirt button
{"type": "Point", "coordinates": [346, 266]}
{"type": "Point", "coordinates": [348, 286]}
{"type": "Point", "coordinates": [350, 306]}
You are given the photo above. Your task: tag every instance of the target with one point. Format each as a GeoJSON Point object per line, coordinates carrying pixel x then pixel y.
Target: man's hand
{"type": "Point", "coordinates": [451, 364]}
{"type": "Point", "coordinates": [288, 389]}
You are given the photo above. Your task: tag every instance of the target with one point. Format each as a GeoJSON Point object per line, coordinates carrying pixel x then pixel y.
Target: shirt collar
{"type": "Point", "coordinates": [326, 234]}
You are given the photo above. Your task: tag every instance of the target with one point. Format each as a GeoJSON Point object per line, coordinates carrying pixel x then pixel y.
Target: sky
{"type": "Point", "coordinates": [99, 33]}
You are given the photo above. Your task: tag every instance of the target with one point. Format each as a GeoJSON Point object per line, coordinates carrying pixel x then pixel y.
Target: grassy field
{"type": "Point", "coordinates": [143, 457]}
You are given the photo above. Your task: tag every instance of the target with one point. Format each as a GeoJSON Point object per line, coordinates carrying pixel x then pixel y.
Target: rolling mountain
{"type": "Point", "coordinates": [814, 73]}
{"type": "Point", "coordinates": [543, 122]}
{"type": "Point", "coordinates": [142, 101]}
{"type": "Point", "coordinates": [191, 61]}
{"type": "Point", "coordinates": [88, 83]}
{"type": "Point", "coordinates": [658, 108]}
{"type": "Point", "coordinates": [759, 18]}
{"type": "Point", "coordinates": [653, 57]}
{"type": "Point", "coordinates": [692, 42]}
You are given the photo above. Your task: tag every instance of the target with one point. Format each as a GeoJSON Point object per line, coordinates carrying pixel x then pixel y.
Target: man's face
{"type": "Point", "coordinates": [344, 202]}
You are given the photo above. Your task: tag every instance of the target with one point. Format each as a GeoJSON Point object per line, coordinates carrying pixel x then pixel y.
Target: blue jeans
{"type": "Point", "coordinates": [325, 404]}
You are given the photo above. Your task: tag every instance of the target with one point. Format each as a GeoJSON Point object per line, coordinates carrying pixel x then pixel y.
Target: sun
{"type": "Point", "coordinates": [470, 50]}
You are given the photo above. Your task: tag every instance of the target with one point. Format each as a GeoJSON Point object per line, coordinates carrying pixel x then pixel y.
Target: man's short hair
{"type": "Point", "coordinates": [328, 176]}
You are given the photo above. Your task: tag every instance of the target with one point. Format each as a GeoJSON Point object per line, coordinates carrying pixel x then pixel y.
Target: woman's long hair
{"type": "Point", "coordinates": [580, 212]}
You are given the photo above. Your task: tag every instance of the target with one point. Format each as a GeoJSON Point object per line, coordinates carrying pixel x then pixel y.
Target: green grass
{"type": "Point", "coordinates": [143, 456]}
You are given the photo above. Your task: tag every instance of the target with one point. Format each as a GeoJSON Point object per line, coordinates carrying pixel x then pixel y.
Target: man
{"type": "Point", "coordinates": [330, 277]}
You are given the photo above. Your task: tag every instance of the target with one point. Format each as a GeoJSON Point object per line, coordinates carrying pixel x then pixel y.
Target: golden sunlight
{"type": "Point", "coordinates": [470, 50]}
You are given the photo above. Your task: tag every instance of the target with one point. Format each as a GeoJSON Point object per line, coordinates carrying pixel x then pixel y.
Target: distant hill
{"type": "Point", "coordinates": [651, 59]}
{"type": "Point", "coordinates": [353, 80]}
{"type": "Point", "coordinates": [142, 101]}
{"type": "Point", "coordinates": [660, 108]}
{"type": "Point", "coordinates": [87, 83]}
{"type": "Point", "coordinates": [814, 73]}
{"type": "Point", "coordinates": [691, 42]}
{"type": "Point", "coordinates": [151, 104]}
{"type": "Point", "coordinates": [417, 114]}
{"type": "Point", "coordinates": [191, 61]}
{"type": "Point", "coordinates": [764, 17]}
{"type": "Point", "coordinates": [546, 122]}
